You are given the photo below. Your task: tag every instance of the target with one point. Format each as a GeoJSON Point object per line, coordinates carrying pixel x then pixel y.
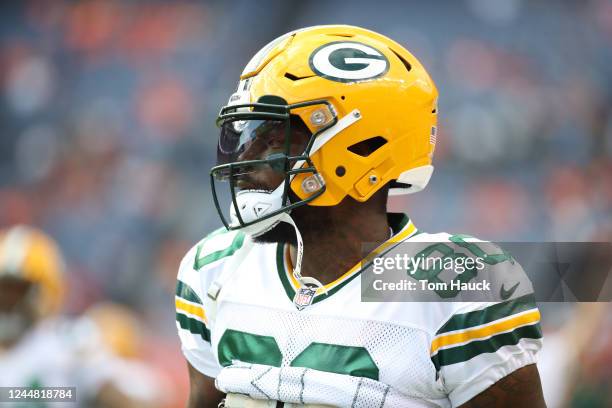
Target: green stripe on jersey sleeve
{"type": "Point", "coordinates": [488, 314]}
{"type": "Point", "coordinates": [193, 326]}
{"type": "Point", "coordinates": [470, 350]}
{"type": "Point", "coordinates": [186, 292]}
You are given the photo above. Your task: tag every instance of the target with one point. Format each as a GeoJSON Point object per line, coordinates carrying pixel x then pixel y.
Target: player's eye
{"type": "Point", "coordinates": [238, 136]}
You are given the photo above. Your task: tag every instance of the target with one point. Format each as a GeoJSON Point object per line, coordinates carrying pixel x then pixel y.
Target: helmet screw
{"type": "Point", "coordinates": [317, 118]}
{"type": "Point", "coordinates": [373, 179]}
{"type": "Point", "coordinates": [312, 183]}
{"type": "Point", "coordinates": [356, 114]}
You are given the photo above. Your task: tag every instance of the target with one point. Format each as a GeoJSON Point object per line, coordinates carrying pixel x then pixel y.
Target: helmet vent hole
{"type": "Point", "coordinates": [406, 63]}
{"type": "Point", "coordinates": [340, 171]}
{"type": "Point", "coordinates": [292, 77]}
{"type": "Point", "coordinates": [342, 35]}
{"type": "Point", "coordinates": [343, 97]}
{"type": "Point", "coordinates": [368, 146]}
{"type": "Point", "coordinates": [434, 110]}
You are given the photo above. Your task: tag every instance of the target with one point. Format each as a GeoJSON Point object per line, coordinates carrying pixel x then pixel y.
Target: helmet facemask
{"type": "Point", "coordinates": [267, 142]}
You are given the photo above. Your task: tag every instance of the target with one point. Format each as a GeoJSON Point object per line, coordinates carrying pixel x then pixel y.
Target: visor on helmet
{"type": "Point", "coordinates": [260, 144]}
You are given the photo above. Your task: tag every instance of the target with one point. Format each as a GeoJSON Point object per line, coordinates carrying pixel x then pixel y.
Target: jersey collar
{"type": "Point", "coordinates": [402, 227]}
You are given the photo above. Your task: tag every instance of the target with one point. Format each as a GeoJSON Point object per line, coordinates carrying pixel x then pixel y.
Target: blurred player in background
{"type": "Point", "coordinates": [132, 380]}
{"type": "Point", "coordinates": [39, 348]}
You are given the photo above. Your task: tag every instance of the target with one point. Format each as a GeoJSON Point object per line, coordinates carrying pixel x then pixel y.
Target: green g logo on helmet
{"type": "Point", "coordinates": [348, 61]}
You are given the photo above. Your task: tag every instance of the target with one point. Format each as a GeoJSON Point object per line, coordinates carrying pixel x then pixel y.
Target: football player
{"type": "Point", "coordinates": [32, 287]}
{"type": "Point", "coordinates": [40, 348]}
{"type": "Point", "coordinates": [133, 381]}
{"type": "Point", "coordinates": [328, 122]}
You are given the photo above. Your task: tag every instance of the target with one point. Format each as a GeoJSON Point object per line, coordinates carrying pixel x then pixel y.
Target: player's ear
{"type": "Point", "coordinates": [381, 197]}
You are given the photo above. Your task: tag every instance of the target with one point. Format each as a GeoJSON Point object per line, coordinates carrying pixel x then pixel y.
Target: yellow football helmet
{"type": "Point", "coordinates": [118, 326]}
{"type": "Point", "coordinates": [29, 254]}
{"type": "Point", "coordinates": [370, 108]}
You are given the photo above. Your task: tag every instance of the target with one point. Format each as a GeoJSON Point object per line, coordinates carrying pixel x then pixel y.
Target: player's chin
{"type": "Point", "coordinates": [282, 233]}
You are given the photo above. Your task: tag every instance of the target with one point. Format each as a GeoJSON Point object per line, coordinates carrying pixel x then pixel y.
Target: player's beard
{"type": "Point", "coordinates": [282, 233]}
{"type": "Point", "coordinates": [311, 221]}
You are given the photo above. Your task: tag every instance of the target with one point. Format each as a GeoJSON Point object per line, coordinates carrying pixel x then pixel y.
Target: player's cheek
{"type": "Point", "coordinates": [268, 177]}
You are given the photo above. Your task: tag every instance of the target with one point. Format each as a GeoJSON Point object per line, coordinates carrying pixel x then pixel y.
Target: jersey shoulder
{"type": "Point", "coordinates": [474, 257]}
{"type": "Point", "coordinates": [203, 267]}
{"type": "Point", "coordinates": [206, 259]}
{"type": "Point", "coordinates": [480, 337]}
{"type": "Point", "coordinates": [215, 248]}
{"type": "Point", "coordinates": [463, 273]}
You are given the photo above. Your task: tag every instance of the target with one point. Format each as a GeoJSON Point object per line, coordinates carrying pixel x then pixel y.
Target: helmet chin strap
{"type": "Point", "coordinates": [250, 198]}
{"type": "Point", "coordinates": [297, 269]}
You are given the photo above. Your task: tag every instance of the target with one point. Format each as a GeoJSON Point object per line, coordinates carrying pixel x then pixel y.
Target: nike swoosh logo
{"type": "Point", "coordinates": [505, 294]}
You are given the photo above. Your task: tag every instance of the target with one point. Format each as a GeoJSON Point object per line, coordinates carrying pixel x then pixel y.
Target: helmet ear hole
{"type": "Point", "coordinates": [368, 146]}
{"type": "Point", "coordinates": [340, 171]}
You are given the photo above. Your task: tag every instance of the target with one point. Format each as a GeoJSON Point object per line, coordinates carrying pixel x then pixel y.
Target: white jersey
{"type": "Point", "coordinates": [51, 354]}
{"type": "Point", "coordinates": [238, 324]}
{"type": "Point", "coordinates": [69, 353]}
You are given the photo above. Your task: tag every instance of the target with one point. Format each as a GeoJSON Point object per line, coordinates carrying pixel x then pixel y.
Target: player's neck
{"type": "Point", "coordinates": [333, 240]}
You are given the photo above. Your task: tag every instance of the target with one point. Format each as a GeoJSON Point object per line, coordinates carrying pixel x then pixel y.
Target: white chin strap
{"type": "Point", "coordinates": [297, 269]}
{"type": "Point", "coordinates": [253, 205]}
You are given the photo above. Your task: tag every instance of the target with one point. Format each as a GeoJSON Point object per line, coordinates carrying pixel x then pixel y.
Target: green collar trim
{"type": "Point", "coordinates": [280, 267]}
{"type": "Point", "coordinates": [282, 273]}
{"type": "Point", "coordinates": [397, 221]}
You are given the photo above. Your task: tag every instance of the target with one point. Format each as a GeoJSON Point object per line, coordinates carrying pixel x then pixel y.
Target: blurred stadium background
{"type": "Point", "coordinates": [107, 111]}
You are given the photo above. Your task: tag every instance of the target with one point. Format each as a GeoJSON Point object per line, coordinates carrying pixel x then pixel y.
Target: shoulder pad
{"type": "Point", "coordinates": [218, 245]}
{"type": "Point", "coordinates": [468, 245]}
{"type": "Point", "coordinates": [205, 261]}
{"type": "Point", "coordinates": [467, 260]}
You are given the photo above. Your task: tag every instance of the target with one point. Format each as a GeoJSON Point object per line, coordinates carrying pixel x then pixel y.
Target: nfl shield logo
{"type": "Point", "coordinates": [304, 297]}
